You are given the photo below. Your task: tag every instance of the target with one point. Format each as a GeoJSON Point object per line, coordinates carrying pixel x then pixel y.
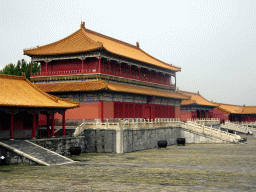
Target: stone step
{"type": "Point", "coordinates": [35, 152]}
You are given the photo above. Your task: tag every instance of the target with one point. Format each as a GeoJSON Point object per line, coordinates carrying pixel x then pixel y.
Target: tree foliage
{"type": "Point", "coordinates": [21, 66]}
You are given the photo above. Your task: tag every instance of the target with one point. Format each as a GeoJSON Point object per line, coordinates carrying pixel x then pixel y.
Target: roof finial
{"type": "Point", "coordinates": [82, 24]}
{"type": "Point", "coordinates": [137, 44]}
{"type": "Point", "coordinates": [23, 75]}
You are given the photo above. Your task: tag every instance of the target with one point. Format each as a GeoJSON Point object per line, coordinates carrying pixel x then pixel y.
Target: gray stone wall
{"type": "Point", "coordinates": [62, 145]}
{"type": "Point", "coordinates": [12, 158]}
{"type": "Point", "coordinates": [100, 140]}
{"type": "Point", "coordinates": [141, 139]}
{"type": "Point", "coordinates": [104, 140]}
{"type": "Point", "coordinates": [107, 141]}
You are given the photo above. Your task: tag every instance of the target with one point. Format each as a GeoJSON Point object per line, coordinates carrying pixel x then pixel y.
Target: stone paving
{"type": "Point", "coordinates": [194, 167]}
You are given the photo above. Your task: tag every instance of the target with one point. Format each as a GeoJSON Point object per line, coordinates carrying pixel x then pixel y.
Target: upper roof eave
{"type": "Point", "coordinates": [99, 85]}
{"type": "Point", "coordinates": [90, 35]}
{"type": "Point", "coordinates": [20, 92]}
{"type": "Point", "coordinates": [196, 99]}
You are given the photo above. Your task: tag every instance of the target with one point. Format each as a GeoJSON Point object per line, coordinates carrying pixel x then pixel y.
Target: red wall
{"type": "Point", "coordinates": [112, 110]}
{"type": "Point", "coordinates": [69, 65]}
{"type": "Point", "coordinates": [185, 115]}
{"type": "Point", "coordinates": [85, 111]}
{"type": "Point", "coordinates": [219, 114]}
{"type": "Point", "coordinates": [177, 112]}
{"type": "Point", "coordinates": [142, 110]}
{"type": "Point", "coordinates": [108, 110]}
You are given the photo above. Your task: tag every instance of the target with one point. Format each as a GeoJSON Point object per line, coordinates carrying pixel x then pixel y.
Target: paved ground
{"type": "Point", "coordinates": [194, 167]}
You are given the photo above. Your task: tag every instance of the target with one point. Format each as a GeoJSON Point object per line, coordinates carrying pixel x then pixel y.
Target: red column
{"type": "Point", "coordinates": [120, 69]}
{"type": "Point", "coordinates": [34, 126]}
{"type": "Point", "coordinates": [48, 124]}
{"type": "Point", "coordinates": [101, 108]}
{"type": "Point", "coordinates": [139, 72]}
{"type": "Point", "coordinates": [11, 128]}
{"type": "Point", "coordinates": [150, 76]}
{"type": "Point", "coordinates": [31, 70]}
{"type": "Point", "coordinates": [37, 120]}
{"type": "Point", "coordinates": [82, 65]}
{"type": "Point", "coordinates": [63, 124]}
{"type": "Point", "coordinates": [108, 66]}
{"type": "Point", "coordinates": [53, 125]}
{"type": "Point", "coordinates": [46, 63]}
{"type": "Point", "coordinates": [130, 71]}
{"type": "Point", "coordinates": [99, 64]}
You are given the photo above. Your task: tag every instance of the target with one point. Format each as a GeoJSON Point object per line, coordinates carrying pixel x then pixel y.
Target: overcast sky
{"type": "Point", "coordinates": [214, 42]}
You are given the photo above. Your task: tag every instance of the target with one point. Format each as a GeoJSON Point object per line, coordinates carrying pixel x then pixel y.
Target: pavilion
{"type": "Point", "coordinates": [235, 112]}
{"type": "Point", "coordinates": [197, 107]}
{"type": "Point", "coordinates": [21, 102]}
{"type": "Point", "coordinates": [110, 78]}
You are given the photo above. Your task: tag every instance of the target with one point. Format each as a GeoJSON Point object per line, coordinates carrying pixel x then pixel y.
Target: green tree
{"type": "Point", "coordinates": [21, 67]}
{"type": "Point", "coordinates": [17, 69]}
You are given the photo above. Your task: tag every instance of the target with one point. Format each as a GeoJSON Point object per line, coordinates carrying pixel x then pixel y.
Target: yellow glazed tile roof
{"type": "Point", "coordinates": [249, 110]}
{"type": "Point", "coordinates": [196, 99]}
{"type": "Point", "coordinates": [20, 92]}
{"type": "Point", "coordinates": [103, 85]}
{"type": "Point", "coordinates": [85, 40]}
{"type": "Point", "coordinates": [236, 109]}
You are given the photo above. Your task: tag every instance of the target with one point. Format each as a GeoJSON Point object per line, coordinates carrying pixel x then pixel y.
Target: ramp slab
{"type": "Point", "coordinates": [35, 152]}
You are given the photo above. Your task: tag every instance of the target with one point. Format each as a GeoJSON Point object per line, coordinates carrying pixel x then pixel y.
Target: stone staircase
{"type": "Point", "coordinates": [211, 132]}
{"type": "Point", "coordinates": [237, 127]}
{"type": "Point", "coordinates": [35, 152]}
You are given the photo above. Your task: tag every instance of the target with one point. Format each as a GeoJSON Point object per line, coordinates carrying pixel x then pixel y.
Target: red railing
{"type": "Point", "coordinates": [92, 71]}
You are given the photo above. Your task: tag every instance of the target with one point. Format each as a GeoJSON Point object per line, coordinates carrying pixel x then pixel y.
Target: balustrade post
{"type": "Point", "coordinates": [95, 123]}
{"type": "Point", "coordinates": [107, 124]}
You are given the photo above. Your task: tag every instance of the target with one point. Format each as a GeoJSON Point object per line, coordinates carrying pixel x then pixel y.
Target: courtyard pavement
{"type": "Point", "coordinates": [193, 167]}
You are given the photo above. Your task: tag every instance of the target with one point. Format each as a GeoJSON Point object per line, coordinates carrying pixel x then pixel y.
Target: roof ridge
{"type": "Point", "coordinates": [51, 43]}
{"type": "Point", "coordinates": [66, 100]}
{"type": "Point", "coordinates": [190, 92]}
{"type": "Point", "coordinates": [110, 38]}
{"type": "Point", "coordinates": [228, 104]}
{"type": "Point", "coordinates": [96, 42]}
{"type": "Point", "coordinates": [160, 60]}
{"type": "Point", "coordinates": [127, 44]}
{"type": "Point", "coordinates": [11, 77]}
{"type": "Point", "coordinates": [53, 98]}
{"type": "Point", "coordinates": [197, 94]}
{"type": "Point", "coordinates": [64, 39]}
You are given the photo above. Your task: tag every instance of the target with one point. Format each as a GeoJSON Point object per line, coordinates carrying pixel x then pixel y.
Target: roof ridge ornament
{"type": "Point", "coordinates": [82, 24]}
{"type": "Point", "coordinates": [137, 44]}
{"type": "Point", "coordinates": [24, 76]}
